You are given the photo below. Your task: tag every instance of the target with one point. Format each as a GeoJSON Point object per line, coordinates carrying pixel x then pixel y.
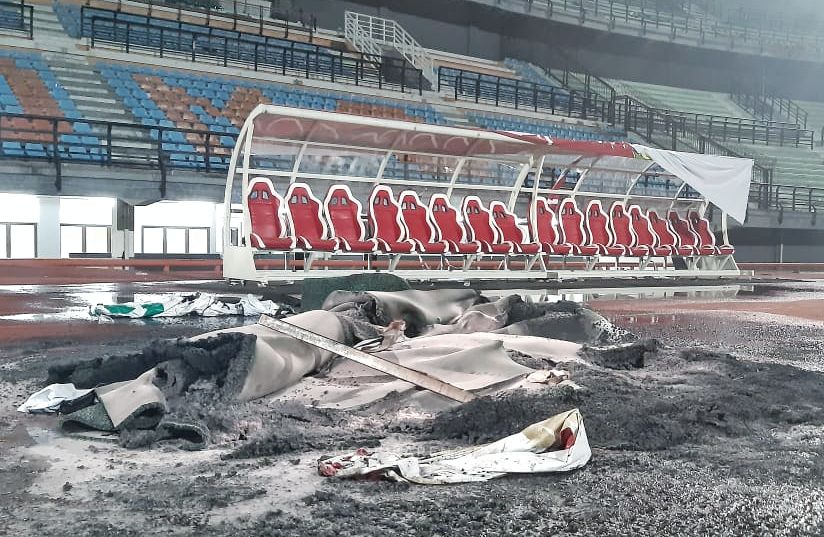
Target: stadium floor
{"type": "Point", "coordinates": [697, 442]}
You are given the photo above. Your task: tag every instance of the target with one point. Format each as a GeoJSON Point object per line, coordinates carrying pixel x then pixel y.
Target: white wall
{"type": "Point", "coordinates": [176, 214]}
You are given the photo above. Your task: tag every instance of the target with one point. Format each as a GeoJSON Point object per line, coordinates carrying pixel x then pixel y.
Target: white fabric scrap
{"type": "Point", "coordinates": [182, 304]}
{"type": "Point", "coordinates": [49, 399]}
{"type": "Point", "coordinates": [725, 181]}
{"type": "Point", "coordinates": [558, 444]}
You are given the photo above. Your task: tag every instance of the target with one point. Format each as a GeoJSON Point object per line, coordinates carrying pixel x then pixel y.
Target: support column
{"type": "Point", "coordinates": [216, 229]}
{"type": "Point", "coordinates": [48, 228]}
{"type": "Point", "coordinates": [122, 230]}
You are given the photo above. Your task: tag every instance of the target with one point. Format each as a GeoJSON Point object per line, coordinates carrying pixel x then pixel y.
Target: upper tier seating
{"type": "Point", "coordinates": [29, 87]}
{"type": "Point", "coordinates": [173, 99]}
{"type": "Point", "coordinates": [184, 37]}
{"type": "Point", "coordinates": [510, 91]}
{"type": "Point", "coordinates": [556, 130]}
{"type": "Point", "coordinates": [793, 166]}
{"type": "Point", "coordinates": [681, 99]}
{"type": "Point", "coordinates": [301, 223]}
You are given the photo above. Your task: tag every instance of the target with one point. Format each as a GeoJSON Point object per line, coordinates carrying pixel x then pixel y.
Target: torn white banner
{"type": "Point", "coordinates": [558, 444]}
{"type": "Point", "coordinates": [179, 305]}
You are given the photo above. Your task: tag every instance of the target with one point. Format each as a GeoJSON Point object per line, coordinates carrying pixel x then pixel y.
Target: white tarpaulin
{"type": "Point", "coordinates": [49, 399]}
{"type": "Point", "coordinates": [724, 181]}
{"type": "Point", "coordinates": [557, 444]}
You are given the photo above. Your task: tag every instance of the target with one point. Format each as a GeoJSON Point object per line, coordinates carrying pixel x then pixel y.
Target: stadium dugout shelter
{"type": "Point", "coordinates": [313, 193]}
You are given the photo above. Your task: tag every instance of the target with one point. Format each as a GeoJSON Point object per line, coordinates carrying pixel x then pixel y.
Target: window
{"type": "Point", "coordinates": [177, 240]}
{"type": "Point", "coordinates": [198, 241]}
{"type": "Point", "coordinates": [20, 240]}
{"type": "Point", "coordinates": [84, 239]}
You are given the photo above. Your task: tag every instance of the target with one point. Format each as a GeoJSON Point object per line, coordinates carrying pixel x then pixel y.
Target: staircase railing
{"type": "Point", "coordinates": [380, 32]}
{"type": "Point", "coordinates": [360, 38]}
{"type": "Point", "coordinates": [585, 82]}
{"type": "Point", "coordinates": [771, 108]}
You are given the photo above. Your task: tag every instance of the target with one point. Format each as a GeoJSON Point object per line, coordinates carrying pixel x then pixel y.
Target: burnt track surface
{"type": "Point", "coordinates": [719, 433]}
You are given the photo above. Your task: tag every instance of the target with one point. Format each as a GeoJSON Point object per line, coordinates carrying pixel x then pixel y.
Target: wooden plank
{"type": "Point", "coordinates": [369, 360]}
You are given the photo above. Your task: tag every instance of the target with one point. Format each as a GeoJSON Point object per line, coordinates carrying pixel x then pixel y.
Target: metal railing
{"type": "Point", "coordinates": [787, 198]}
{"type": "Point", "coordinates": [771, 107]}
{"type": "Point", "coordinates": [520, 95]}
{"type": "Point", "coordinates": [18, 17]}
{"type": "Point", "coordinates": [124, 145]}
{"type": "Point", "coordinates": [360, 39]}
{"type": "Point", "coordinates": [630, 111]}
{"type": "Point", "coordinates": [256, 15]}
{"type": "Point", "coordinates": [260, 53]}
{"type": "Point", "coordinates": [688, 25]}
{"type": "Point", "coordinates": [374, 32]}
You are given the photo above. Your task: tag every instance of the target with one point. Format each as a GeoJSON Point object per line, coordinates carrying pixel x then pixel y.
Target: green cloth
{"type": "Point", "coordinates": [315, 290]}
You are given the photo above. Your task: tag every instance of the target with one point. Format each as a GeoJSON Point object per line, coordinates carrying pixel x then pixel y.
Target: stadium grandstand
{"type": "Point", "coordinates": [135, 108]}
{"type": "Point", "coordinates": [424, 268]}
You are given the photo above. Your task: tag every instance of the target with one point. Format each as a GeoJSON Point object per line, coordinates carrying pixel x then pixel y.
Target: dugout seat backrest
{"type": "Point", "coordinates": [417, 218]}
{"type": "Point", "coordinates": [543, 223]}
{"type": "Point", "coordinates": [266, 215]}
{"type": "Point", "coordinates": [597, 224]}
{"type": "Point", "coordinates": [479, 221]}
{"type": "Point", "coordinates": [642, 228]}
{"type": "Point", "coordinates": [447, 219]}
{"type": "Point", "coordinates": [343, 212]}
{"type": "Point", "coordinates": [385, 215]}
{"type": "Point", "coordinates": [305, 214]}
{"type": "Point", "coordinates": [681, 227]}
{"type": "Point", "coordinates": [621, 226]}
{"type": "Point", "coordinates": [449, 225]}
{"type": "Point", "coordinates": [701, 228]}
{"type": "Point", "coordinates": [506, 223]}
{"type": "Point", "coordinates": [663, 231]}
{"type": "Point", "coordinates": [571, 222]}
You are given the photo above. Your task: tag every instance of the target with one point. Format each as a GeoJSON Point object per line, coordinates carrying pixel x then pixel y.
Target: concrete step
{"type": "Point", "coordinates": [93, 97]}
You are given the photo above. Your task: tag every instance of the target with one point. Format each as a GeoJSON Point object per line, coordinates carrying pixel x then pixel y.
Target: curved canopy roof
{"type": "Point", "coordinates": [724, 181]}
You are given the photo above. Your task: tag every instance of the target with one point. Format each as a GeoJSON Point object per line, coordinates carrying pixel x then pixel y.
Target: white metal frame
{"type": "Point", "coordinates": [370, 34]}
{"type": "Point", "coordinates": [239, 261]}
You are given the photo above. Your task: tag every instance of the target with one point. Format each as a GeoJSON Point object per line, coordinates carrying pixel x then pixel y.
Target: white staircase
{"type": "Point", "coordinates": [371, 35]}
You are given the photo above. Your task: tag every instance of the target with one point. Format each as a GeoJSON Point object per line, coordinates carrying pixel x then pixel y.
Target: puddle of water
{"type": "Point", "coordinates": [42, 435]}
{"type": "Point", "coordinates": [713, 292]}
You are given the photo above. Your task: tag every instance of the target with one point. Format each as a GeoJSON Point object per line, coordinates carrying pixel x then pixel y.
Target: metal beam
{"type": "Point", "coordinates": [417, 378]}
